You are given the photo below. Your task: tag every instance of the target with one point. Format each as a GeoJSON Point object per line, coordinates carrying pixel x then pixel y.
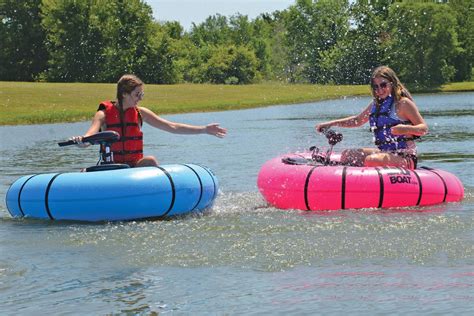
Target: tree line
{"type": "Point", "coordinates": [313, 41]}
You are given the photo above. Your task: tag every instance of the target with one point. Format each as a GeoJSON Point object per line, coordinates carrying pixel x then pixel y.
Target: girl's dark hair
{"type": "Point", "coordinates": [126, 84]}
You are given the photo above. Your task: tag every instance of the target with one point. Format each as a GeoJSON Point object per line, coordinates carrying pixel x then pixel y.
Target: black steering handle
{"type": "Point", "coordinates": [99, 138]}
{"type": "Point", "coordinates": [332, 136]}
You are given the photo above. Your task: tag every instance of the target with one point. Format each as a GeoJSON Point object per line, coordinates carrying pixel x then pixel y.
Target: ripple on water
{"type": "Point", "coordinates": [241, 231]}
{"type": "Point", "coordinates": [242, 255]}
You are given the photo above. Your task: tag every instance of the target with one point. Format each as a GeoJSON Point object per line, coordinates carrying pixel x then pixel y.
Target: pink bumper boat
{"type": "Point", "coordinates": [314, 181]}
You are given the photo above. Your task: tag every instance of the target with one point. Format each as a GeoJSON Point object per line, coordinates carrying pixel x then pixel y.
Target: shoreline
{"type": "Point", "coordinates": [27, 103]}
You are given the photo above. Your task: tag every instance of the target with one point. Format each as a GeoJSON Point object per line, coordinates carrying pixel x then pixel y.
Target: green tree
{"type": "Point", "coordinates": [130, 47]}
{"type": "Point", "coordinates": [157, 63]}
{"type": "Point", "coordinates": [189, 59]}
{"type": "Point", "coordinates": [297, 39]}
{"type": "Point", "coordinates": [75, 39]}
{"type": "Point", "coordinates": [313, 28]}
{"type": "Point", "coordinates": [252, 34]}
{"type": "Point", "coordinates": [464, 60]}
{"type": "Point", "coordinates": [246, 45]}
{"type": "Point", "coordinates": [213, 31]}
{"type": "Point", "coordinates": [100, 40]}
{"type": "Point", "coordinates": [354, 56]}
{"type": "Point", "coordinates": [173, 53]}
{"type": "Point", "coordinates": [241, 29]}
{"type": "Point", "coordinates": [231, 65]}
{"type": "Point", "coordinates": [23, 55]}
{"type": "Point", "coordinates": [174, 30]}
{"type": "Point", "coordinates": [272, 30]}
{"type": "Point", "coordinates": [422, 43]}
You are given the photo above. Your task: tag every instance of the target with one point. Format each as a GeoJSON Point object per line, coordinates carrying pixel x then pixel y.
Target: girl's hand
{"type": "Point", "coordinates": [216, 130]}
{"type": "Point", "coordinates": [78, 141]}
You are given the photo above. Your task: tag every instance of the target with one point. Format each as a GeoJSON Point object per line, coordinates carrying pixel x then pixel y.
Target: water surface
{"type": "Point", "coordinates": [243, 256]}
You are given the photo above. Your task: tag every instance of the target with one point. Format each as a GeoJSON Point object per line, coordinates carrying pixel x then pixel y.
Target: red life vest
{"type": "Point", "coordinates": [129, 149]}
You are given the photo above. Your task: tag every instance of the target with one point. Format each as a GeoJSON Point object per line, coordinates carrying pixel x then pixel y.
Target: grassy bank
{"type": "Point", "coordinates": [35, 103]}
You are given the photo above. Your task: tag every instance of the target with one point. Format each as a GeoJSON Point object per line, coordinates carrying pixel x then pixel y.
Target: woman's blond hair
{"type": "Point", "coordinates": [398, 89]}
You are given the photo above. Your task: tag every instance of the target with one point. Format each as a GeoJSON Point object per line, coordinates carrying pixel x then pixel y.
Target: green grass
{"type": "Point", "coordinates": [37, 103]}
{"type": "Point", "coordinates": [458, 87]}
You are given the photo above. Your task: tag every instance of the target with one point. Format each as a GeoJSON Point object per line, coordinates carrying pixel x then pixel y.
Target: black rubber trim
{"type": "Point", "coordinates": [306, 201]}
{"type": "Point", "coordinates": [125, 138]}
{"type": "Point", "coordinates": [173, 191]}
{"type": "Point", "coordinates": [213, 181]}
{"type": "Point", "coordinates": [442, 179]}
{"type": "Point", "coordinates": [46, 196]}
{"type": "Point", "coordinates": [343, 189]}
{"type": "Point", "coordinates": [200, 185]}
{"type": "Point", "coordinates": [108, 166]}
{"type": "Point", "coordinates": [125, 152]}
{"type": "Point", "coordinates": [120, 125]}
{"type": "Point", "coordinates": [420, 187]}
{"type": "Point", "coordinates": [296, 161]}
{"type": "Point", "coordinates": [382, 189]}
{"type": "Point", "coordinates": [19, 194]}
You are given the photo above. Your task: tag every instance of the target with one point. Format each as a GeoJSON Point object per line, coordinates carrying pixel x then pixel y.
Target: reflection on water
{"type": "Point", "coordinates": [449, 136]}
{"type": "Point", "coordinates": [261, 240]}
{"type": "Point", "coordinates": [447, 157]}
{"type": "Point", "coordinates": [243, 256]}
{"type": "Point", "coordinates": [448, 113]}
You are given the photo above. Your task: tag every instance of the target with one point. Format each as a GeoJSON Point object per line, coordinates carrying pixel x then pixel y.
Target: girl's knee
{"type": "Point", "coordinates": [148, 161]}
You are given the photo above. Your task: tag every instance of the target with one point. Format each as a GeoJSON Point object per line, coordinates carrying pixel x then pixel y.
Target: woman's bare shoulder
{"type": "Point", "coordinates": [405, 103]}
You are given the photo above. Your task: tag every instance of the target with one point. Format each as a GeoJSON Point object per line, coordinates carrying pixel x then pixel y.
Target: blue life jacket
{"type": "Point", "coordinates": [381, 123]}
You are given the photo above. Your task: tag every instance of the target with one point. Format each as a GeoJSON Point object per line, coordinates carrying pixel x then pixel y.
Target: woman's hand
{"type": "Point", "coordinates": [403, 129]}
{"type": "Point", "coordinates": [216, 130]}
{"type": "Point", "coordinates": [322, 126]}
{"type": "Point", "coordinates": [407, 110]}
{"type": "Point", "coordinates": [400, 129]}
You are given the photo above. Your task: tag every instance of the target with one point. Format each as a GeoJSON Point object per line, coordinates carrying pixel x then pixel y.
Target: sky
{"type": "Point", "coordinates": [188, 11]}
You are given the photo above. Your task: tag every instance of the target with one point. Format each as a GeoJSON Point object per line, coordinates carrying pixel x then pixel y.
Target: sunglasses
{"type": "Point", "coordinates": [140, 95]}
{"type": "Point", "coordinates": [383, 85]}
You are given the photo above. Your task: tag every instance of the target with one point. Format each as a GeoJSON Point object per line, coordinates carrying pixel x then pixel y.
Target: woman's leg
{"type": "Point", "coordinates": [389, 159]}
{"type": "Point", "coordinates": [356, 157]}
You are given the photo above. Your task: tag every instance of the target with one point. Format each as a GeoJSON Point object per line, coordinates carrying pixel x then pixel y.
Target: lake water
{"type": "Point", "coordinates": [243, 257]}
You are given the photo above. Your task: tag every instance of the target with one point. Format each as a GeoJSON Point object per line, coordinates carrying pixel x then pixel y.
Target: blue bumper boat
{"type": "Point", "coordinates": [113, 192]}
